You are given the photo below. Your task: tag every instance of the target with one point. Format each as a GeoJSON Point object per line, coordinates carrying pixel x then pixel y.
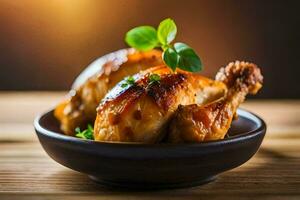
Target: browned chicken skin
{"type": "Point", "coordinates": [196, 123]}
{"type": "Point", "coordinates": [141, 112]}
{"type": "Point", "coordinates": [79, 108]}
{"type": "Point", "coordinates": [185, 106]}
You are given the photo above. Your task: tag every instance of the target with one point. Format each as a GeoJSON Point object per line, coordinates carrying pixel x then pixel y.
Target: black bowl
{"type": "Point", "coordinates": [152, 166]}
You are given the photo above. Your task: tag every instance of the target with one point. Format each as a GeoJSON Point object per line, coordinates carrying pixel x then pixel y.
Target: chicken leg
{"type": "Point", "coordinates": [196, 123]}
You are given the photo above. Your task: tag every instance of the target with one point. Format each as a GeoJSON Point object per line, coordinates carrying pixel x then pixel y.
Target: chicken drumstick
{"type": "Point", "coordinates": [196, 123]}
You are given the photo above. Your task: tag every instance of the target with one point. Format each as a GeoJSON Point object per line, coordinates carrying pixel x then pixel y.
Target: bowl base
{"type": "Point", "coordinates": [151, 186]}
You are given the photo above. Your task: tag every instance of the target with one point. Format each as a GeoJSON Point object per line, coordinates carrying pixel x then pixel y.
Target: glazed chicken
{"type": "Point", "coordinates": [198, 122]}
{"type": "Point", "coordinates": [140, 112]}
{"type": "Point", "coordinates": [79, 108]}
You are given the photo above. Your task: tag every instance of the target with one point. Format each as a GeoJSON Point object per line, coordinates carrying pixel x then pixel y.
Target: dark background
{"type": "Point", "coordinates": [44, 44]}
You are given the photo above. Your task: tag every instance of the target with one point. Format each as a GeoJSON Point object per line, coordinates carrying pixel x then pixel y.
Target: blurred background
{"type": "Point", "coordinates": [44, 44]}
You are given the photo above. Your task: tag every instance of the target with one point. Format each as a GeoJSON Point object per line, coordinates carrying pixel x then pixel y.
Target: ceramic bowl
{"type": "Point", "coordinates": [152, 166]}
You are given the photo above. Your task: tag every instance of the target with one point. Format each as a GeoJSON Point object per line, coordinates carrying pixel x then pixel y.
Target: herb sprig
{"type": "Point", "coordinates": [145, 38]}
{"type": "Point", "coordinates": [85, 134]}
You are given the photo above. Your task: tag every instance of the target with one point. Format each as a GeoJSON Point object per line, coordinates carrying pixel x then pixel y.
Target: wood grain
{"type": "Point", "coordinates": [26, 172]}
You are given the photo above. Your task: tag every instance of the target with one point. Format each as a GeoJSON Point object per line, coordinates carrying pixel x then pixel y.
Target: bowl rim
{"type": "Point", "coordinates": [261, 129]}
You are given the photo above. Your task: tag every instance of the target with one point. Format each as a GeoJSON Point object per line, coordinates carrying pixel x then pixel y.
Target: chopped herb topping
{"type": "Point", "coordinates": [153, 78]}
{"type": "Point", "coordinates": [128, 81]}
{"type": "Point", "coordinates": [85, 134]}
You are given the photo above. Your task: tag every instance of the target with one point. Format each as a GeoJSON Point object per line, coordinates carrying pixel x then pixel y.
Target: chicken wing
{"type": "Point", "coordinates": [79, 108]}
{"type": "Point", "coordinates": [140, 112]}
{"type": "Point", "coordinates": [196, 123]}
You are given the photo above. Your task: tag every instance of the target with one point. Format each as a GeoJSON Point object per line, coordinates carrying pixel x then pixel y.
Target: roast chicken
{"type": "Point", "coordinates": [79, 108]}
{"type": "Point", "coordinates": [173, 107]}
{"type": "Point", "coordinates": [140, 112]}
{"type": "Point", "coordinates": [211, 121]}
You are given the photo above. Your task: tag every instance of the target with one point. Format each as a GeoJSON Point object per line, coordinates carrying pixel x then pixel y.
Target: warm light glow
{"type": "Point", "coordinates": [66, 35]}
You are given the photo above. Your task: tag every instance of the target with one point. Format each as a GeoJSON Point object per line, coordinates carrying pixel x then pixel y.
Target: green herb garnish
{"type": "Point", "coordinates": [154, 78]}
{"type": "Point", "coordinates": [85, 134]}
{"type": "Point", "coordinates": [179, 55]}
{"type": "Point", "coordinates": [128, 81]}
{"type": "Point", "coordinates": [143, 38]}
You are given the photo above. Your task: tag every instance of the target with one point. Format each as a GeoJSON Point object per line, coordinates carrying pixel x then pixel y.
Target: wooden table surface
{"type": "Point", "coordinates": [26, 172]}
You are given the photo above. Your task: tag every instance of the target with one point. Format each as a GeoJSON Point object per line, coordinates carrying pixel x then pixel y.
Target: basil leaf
{"type": "Point", "coordinates": [142, 38]}
{"type": "Point", "coordinates": [187, 58]}
{"type": "Point", "coordinates": [180, 55]}
{"type": "Point", "coordinates": [166, 31]}
{"type": "Point", "coordinates": [170, 57]}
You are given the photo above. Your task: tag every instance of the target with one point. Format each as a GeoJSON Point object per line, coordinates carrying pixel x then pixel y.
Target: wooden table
{"type": "Point", "coordinates": [26, 172]}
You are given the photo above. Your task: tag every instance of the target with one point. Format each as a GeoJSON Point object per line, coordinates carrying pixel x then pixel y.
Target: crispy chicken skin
{"type": "Point", "coordinates": [79, 108]}
{"type": "Point", "coordinates": [196, 122]}
{"type": "Point", "coordinates": [141, 112]}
